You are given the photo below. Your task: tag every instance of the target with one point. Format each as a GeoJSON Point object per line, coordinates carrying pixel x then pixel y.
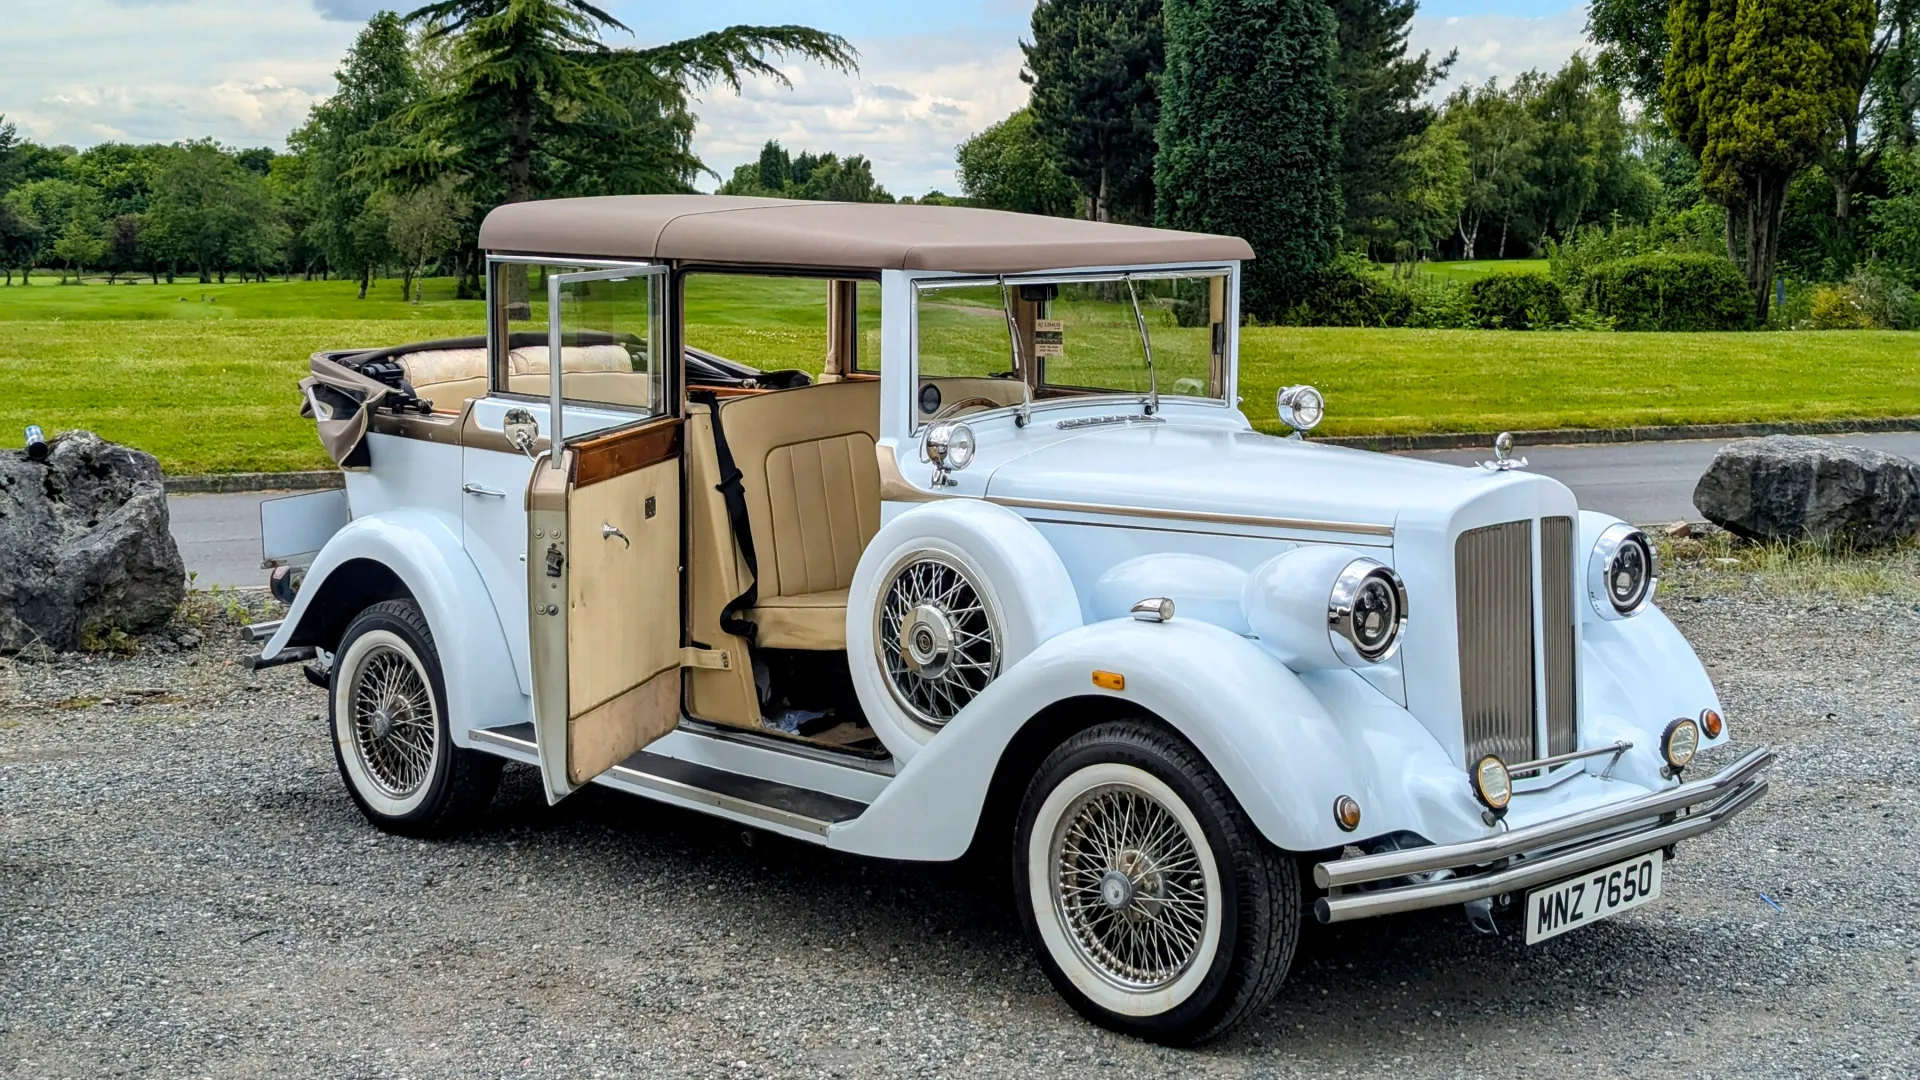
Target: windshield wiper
{"type": "Point", "coordinates": [1025, 415]}
{"type": "Point", "coordinates": [1146, 346]}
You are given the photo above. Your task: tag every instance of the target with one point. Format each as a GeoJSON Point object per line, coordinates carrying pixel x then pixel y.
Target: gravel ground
{"type": "Point", "coordinates": [186, 890]}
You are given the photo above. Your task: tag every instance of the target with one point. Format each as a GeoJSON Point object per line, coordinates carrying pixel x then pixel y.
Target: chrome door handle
{"type": "Point", "coordinates": [476, 489]}
{"type": "Point", "coordinates": [608, 531]}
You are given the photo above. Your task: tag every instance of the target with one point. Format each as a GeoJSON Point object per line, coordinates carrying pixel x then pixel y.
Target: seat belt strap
{"type": "Point", "coordinates": [735, 495]}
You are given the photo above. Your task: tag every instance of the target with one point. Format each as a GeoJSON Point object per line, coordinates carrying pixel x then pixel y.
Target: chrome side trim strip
{"type": "Point", "coordinates": [1531, 872]}
{"type": "Point", "coordinates": [506, 738]}
{"type": "Point", "coordinates": [1547, 834]}
{"type": "Point", "coordinates": [1161, 514]}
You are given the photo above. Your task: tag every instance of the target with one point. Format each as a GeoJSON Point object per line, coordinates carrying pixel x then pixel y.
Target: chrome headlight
{"type": "Point", "coordinates": [1621, 572]}
{"type": "Point", "coordinates": [950, 445]}
{"type": "Point", "coordinates": [1301, 407]}
{"type": "Point", "coordinates": [1366, 612]}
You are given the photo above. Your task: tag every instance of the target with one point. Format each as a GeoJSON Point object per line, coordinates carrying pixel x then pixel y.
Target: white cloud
{"type": "Point", "coordinates": [241, 71]}
{"type": "Point", "coordinates": [914, 101]}
{"type": "Point", "coordinates": [1501, 46]}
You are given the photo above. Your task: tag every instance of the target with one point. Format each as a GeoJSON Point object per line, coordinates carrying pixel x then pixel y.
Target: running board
{"type": "Point", "coordinates": [801, 809]}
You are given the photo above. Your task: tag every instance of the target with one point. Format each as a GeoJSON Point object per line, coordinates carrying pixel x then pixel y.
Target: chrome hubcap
{"type": "Point", "coordinates": [394, 729]}
{"type": "Point", "coordinates": [1129, 888]}
{"type": "Point", "coordinates": [937, 640]}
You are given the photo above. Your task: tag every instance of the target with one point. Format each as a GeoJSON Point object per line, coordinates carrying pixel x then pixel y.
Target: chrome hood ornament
{"type": "Point", "coordinates": [1503, 459]}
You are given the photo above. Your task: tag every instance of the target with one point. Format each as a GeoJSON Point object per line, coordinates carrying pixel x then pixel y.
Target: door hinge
{"type": "Point", "coordinates": [715, 659]}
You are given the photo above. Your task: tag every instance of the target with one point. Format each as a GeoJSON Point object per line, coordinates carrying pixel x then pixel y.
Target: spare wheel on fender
{"type": "Point", "coordinates": [947, 597]}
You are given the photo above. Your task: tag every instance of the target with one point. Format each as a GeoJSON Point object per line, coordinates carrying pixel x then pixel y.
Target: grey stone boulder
{"type": "Point", "coordinates": [84, 542]}
{"type": "Point", "coordinates": [1796, 488]}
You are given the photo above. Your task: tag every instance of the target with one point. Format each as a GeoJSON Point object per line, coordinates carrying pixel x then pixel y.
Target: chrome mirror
{"type": "Point", "coordinates": [521, 429]}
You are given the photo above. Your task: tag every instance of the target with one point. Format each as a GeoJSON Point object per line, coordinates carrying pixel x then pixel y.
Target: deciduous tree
{"type": "Point", "coordinates": [1250, 137]}
{"type": "Point", "coordinates": [1010, 166]}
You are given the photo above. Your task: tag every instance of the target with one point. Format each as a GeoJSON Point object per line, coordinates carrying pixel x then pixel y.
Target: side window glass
{"type": "Point", "coordinates": [607, 324]}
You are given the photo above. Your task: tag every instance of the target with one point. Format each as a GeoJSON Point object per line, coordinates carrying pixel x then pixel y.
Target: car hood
{"type": "Point", "coordinates": [1213, 470]}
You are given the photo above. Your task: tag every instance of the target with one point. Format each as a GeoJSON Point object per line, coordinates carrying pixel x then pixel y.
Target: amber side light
{"type": "Point", "coordinates": [1109, 680]}
{"type": "Point", "coordinates": [1711, 723]}
{"type": "Point", "coordinates": [1346, 813]}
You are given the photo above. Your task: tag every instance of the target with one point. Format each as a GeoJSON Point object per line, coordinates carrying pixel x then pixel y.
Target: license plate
{"type": "Point", "coordinates": [1595, 895]}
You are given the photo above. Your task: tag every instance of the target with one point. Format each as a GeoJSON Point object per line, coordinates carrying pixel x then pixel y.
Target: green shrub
{"type": "Point", "coordinates": [1529, 301]}
{"type": "Point", "coordinates": [1348, 293]}
{"type": "Point", "coordinates": [1697, 230]}
{"type": "Point", "coordinates": [1872, 298]}
{"type": "Point", "coordinates": [1672, 292]}
{"type": "Point", "coordinates": [1439, 303]}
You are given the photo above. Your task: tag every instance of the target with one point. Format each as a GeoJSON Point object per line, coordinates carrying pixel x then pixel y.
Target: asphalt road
{"type": "Point", "coordinates": [1646, 483]}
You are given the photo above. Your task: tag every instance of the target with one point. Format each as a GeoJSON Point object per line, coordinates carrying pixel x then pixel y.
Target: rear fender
{"type": "Point", "coordinates": [417, 553]}
{"type": "Point", "coordinates": [1286, 745]}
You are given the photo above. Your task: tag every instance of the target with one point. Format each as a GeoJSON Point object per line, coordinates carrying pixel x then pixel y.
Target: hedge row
{"type": "Point", "coordinates": [1672, 292]}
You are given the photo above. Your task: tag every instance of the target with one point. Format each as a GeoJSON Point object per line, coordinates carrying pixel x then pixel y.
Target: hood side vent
{"type": "Point", "coordinates": [1493, 578]}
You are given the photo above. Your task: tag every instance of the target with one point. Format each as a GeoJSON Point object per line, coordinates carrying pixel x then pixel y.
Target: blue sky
{"type": "Point", "coordinates": [246, 71]}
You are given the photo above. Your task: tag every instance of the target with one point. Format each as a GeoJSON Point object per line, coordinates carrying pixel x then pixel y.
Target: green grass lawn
{"type": "Point", "coordinates": [207, 384]}
{"type": "Point", "coordinates": [1468, 270]}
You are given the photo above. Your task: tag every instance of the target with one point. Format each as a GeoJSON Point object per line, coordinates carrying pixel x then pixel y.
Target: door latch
{"type": "Point", "coordinates": [608, 531]}
{"type": "Point", "coordinates": [556, 562]}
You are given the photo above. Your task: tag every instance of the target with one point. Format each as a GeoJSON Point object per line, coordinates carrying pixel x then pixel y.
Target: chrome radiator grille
{"type": "Point", "coordinates": [1493, 574]}
{"type": "Point", "coordinates": [1556, 609]}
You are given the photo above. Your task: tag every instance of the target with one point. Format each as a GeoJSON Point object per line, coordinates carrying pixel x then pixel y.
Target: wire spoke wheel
{"type": "Point", "coordinates": [1129, 888]}
{"type": "Point", "coordinates": [938, 641]}
{"type": "Point", "coordinates": [395, 732]}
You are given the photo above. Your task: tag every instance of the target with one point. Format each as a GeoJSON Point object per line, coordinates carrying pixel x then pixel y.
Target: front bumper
{"type": "Point", "coordinates": [1439, 875]}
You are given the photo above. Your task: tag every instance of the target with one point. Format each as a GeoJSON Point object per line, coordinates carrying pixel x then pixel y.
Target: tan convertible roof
{"type": "Point", "coordinates": [834, 235]}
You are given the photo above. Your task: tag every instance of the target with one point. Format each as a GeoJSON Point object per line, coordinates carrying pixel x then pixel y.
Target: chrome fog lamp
{"type": "Point", "coordinates": [1492, 784]}
{"type": "Point", "coordinates": [1366, 612]}
{"type": "Point", "coordinates": [1301, 407]}
{"type": "Point", "coordinates": [1679, 743]}
{"type": "Point", "coordinates": [949, 445]}
{"type": "Point", "coordinates": [1621, 573]}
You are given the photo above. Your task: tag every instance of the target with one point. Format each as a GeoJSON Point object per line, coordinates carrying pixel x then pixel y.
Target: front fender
{"type": "Point", "coordinates": [423, 549]}
{"type": "Point", "coordinates": [1286, 745]}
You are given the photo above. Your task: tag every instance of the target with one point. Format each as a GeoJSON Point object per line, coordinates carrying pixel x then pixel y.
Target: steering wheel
{"type": "Point", "coordinates": [953, 407]}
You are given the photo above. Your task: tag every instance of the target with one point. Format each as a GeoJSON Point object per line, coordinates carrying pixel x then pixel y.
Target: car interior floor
{"type": "Point", "coordinates": [809, 695]}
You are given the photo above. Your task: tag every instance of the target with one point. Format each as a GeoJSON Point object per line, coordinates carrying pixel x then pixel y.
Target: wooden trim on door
{"type": "Point", "coordinates": [624, 451]}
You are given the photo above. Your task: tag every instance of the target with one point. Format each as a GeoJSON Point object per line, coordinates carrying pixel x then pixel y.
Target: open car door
{"type": "Point", "coordinates": [603, 550]}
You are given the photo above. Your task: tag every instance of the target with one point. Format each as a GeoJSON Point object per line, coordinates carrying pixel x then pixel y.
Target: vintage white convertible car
{"type": "Point", "coordinates": [1011, 574]}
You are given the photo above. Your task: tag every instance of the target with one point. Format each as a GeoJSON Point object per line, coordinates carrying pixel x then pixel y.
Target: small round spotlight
{"type": "Point", "coordinates": [1346, 813]}
{"type": "Point", "coordinates": [1492, 784]}
{"type": "Point", "coordinates": [1711, 723]}
{"type": "Point", "coordinates": [1301, 407]}
{"type": "Point", "coordinates": [1679, 742]}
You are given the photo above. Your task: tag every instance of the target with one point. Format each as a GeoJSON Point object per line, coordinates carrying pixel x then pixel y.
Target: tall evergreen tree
{"type": "Point", "coordinates": [1382, 117]}
{"type": "Point", "coordinates": [1755, 88]}
{"type": "Point", "coordinates": [537, 104]}
{"type": "Point", "coordinates": [1250, 137]}
{"type": "Point", "coordinates": [1095, 67]}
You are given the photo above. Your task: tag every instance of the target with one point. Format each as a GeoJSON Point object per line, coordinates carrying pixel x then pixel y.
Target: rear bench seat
{"type": "Point", "coordinates": [602, 373]}
{"type": "Point", "coordinates": [806, 457]}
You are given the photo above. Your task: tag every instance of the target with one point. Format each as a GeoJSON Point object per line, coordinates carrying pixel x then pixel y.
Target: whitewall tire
{"type": "Point", "coordinates": [946, 598]}
{"type": "Point", "coordinates": [1153, 904]}
{"type": "Point", "coordinates": [391, 740]}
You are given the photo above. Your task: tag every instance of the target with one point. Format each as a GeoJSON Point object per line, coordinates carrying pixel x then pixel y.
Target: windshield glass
{"type": "Point", "coordinates": [1081, 335]}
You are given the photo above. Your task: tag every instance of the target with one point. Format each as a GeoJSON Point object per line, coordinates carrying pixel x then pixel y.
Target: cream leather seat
{"type": "Point", "coordinates": [602, 373]}
{"type": "Point", "coordinates": [812, 482]}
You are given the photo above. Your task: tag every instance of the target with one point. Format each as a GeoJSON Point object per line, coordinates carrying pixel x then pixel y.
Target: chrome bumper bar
{"type": "Point", "coordinates": [1538, 854]}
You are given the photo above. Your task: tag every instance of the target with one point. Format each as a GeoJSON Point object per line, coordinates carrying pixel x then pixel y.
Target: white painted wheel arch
{"type": "Point", "coordinates": [1017, 570]}
{"type": "Point", "coordinates": [423, 549]}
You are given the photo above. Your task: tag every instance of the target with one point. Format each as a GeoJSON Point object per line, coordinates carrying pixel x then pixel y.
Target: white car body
{"type": "Point", "coordinates": [1074, 518]}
